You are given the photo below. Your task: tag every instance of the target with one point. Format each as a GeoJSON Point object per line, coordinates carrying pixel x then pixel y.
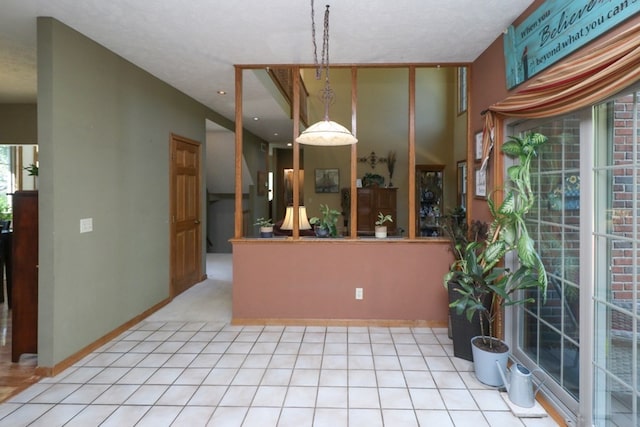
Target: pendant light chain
{"type": "Point", "coordinates": [326, 94]}
{"type": "Point", "coordinates": [315, 46]}
{"type": "Point", "coordinates": [324, 132]}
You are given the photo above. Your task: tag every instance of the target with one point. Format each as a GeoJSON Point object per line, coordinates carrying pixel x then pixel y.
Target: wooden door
{"type": "Point", "coordinates": [186, 227]}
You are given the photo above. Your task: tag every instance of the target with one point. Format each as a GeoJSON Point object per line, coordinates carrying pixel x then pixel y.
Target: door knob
{"type": "Point", "coordinates": [197, 221]}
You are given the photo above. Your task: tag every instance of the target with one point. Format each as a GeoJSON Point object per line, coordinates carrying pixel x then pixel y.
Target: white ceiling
{"type": "Point", "coordinates": [192, 45]}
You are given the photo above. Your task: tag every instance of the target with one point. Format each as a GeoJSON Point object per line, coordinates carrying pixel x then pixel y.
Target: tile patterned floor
{"type": "Point", "coordinates": [214, 374]}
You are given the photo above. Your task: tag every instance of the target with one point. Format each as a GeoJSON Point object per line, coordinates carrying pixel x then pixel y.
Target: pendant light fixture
{"type": "Point", "coordinates": [324, 132]}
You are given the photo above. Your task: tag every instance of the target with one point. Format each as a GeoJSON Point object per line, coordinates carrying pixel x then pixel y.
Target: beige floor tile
{"type": "Point", "coordinates": [331, 417]}
{"type": "Point", "coordinates": [91, 416]}
{"type": "Point", "coordinates": [296, 417]}
{"type": "Point", "coordinates": [301, 397]}
{"type": "Point", "coordinates": [365, 418]}
{"type": "Point", "coordinates": [458, 400]}
{"type": "Point", "coordinates": [439, 418]}
{"type": "Point", "coordinates": [394, 398]}
{"type": "Point", "coordinates": [399, 417]}
{"type": "Point", "coordinates": [159, 416]}
{"type": "Point", "coordinates": [332, 397]}
{"type": "Point", "coordinates": [270, 396]}
{"type": "Point", "coordinates": [363, 397]}
{"type": "Point", "coordinates": [207, 372]}
{"type": "Point", "coordinates": [426, 398]}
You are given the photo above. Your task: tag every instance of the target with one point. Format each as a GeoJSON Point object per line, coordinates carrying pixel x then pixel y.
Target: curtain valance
{"type": "Point", "coordinates": [599, 73]}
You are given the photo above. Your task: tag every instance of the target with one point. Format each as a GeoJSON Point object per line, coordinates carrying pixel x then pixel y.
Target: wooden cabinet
{"type": "Point", "coordinates": [24, 337]}
{"type": "Point", "coordinates": [371, 201]}
{"type": "Point", "coordinates": [430, 191]}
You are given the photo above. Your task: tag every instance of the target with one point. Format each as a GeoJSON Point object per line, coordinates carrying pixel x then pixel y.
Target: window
{"type": "Point", "coordinates": [587, 229]}
{"type": "Point", "coordinates": [13, 175]}
{"type": "Point", "coordinates": [617, 251]}
{"type": "Point", "coordinates": [548, 334]}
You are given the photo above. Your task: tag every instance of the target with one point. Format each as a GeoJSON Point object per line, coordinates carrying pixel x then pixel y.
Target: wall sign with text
{"type": "Point", "coordinates": [556, 29]}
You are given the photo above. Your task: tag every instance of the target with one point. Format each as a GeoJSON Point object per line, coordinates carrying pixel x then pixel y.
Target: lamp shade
{"type": "Point", "coordinates": [326, 133]}
{"type": "Point", "coordinates": [303, 221]}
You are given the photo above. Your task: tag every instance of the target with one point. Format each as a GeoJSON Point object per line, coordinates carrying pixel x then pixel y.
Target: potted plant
{"type": "Point", "coordinates": [460, 234]}
{"type": "Point", "coordinates": [266, 227]}
{"type": "Point", "coordinates": [326, 225]}
{"type": "Point", "coordinates": [381, 229]}
{"type": "Point", "coordinates": [32, 169]}
{"type": "Point", "coordinates": [485, 285]}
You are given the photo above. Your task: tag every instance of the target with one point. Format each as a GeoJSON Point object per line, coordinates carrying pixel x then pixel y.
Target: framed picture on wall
{"type": "Point", "coordinates": [478, 146]}
{"type": "Point", "coordinates": [262, 183]}
{"type": "Point", "coordinates": [327, 180]}
{"type": "Point", "coordinates": [480, 183]}
{"type": "Point", "coordinates": [462, 89]}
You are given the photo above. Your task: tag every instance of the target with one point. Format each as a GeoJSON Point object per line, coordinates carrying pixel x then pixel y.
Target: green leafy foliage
{"type": "Point", "coordinates": [327, 221]}
{"type": "Point", "coordinates": [32, 169]}
{"type": "Point", "coordinates": [383, 218]}
{"type": "Point", "coordinates": [484, 285]}
{"type": "Point", "coordinates": [264, 222]}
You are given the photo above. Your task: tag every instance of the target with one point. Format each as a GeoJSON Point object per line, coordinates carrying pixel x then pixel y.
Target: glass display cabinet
{"type": "Point", "coordinates": [429, 203]}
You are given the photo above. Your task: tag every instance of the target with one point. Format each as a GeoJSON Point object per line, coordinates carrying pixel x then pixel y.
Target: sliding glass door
{"type": "Point", "coordinates": [616, 248]}
{"type": "Point", "coordinates": [585, 338]}
{"type": "Point", "coordinates": [548, 333]}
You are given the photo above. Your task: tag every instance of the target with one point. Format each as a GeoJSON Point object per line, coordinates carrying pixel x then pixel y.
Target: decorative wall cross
{"type": "Point", "coordinates": [372, 159]}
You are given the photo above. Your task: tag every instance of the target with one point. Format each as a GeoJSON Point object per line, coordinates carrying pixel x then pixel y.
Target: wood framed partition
{"type": "Point", "coordinates": [414, 119]}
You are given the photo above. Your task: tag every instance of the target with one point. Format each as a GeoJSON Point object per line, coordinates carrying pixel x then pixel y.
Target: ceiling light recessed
{"type": "Point", "coordinates": [222, 92]}
{"type": "Point", "coordinates": [256, 118]}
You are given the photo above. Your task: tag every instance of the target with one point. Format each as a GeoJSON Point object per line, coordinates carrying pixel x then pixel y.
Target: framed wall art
{"type": "Point", "coordinates": [262, 183]}
{"type": "Point", "coordinates": [480, 183]}
{"type": "Point", "coordinates": [462, 89]}
{"type": "Point", "coordinates": [327, 180]}
{"type": "Point", "coordinates": [478, 146]}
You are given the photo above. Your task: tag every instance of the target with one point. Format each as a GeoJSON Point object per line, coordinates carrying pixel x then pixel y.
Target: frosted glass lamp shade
{"type": "Point", "coordinates": [303, 221]}
{"type": "Point", "coordinates": [326, 133]}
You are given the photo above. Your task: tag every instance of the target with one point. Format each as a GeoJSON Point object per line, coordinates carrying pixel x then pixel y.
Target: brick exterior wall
{"type": "Point", "coordinates": [623, 257]}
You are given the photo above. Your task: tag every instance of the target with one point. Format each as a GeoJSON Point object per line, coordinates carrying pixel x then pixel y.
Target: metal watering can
{"type": "Point", "coordinates": [519, 384]}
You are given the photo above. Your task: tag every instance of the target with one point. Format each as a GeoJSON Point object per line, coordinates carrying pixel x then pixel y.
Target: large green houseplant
{"type": "Point", "coordinates": [484, 284]}
{"type": "Point", "coordinates": [461, 233]}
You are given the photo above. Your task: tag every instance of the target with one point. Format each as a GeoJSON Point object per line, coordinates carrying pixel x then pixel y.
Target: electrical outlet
{"type": "Point", "coordinates": [359, 293]}
{"type": "Point", "coordinates": [86, 225]}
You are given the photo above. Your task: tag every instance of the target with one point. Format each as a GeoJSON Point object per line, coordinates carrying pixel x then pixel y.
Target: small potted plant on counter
{"type": "Point", "coordinates": [381, 229]}
{"type": "Point", "coordinates": [266, 227]}
{"type": "Point", "coordinates": [326, 225]}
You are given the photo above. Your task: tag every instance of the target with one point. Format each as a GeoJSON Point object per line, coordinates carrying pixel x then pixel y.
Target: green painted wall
{"type": "Point", "coordinates": [104, 127]}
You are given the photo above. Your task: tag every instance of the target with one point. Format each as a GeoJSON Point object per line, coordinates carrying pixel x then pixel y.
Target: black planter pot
{"type": "Point", "coordinates": [461, 329]}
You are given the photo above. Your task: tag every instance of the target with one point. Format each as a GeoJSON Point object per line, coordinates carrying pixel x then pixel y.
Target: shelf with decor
{"type": "Point", "coordinates": [429, 199]}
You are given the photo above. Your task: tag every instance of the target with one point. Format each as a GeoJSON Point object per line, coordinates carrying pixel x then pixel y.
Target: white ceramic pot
{"type": "Point", "coordinates": [266, 231]}
{"type": "Point", "coordinates": [381, 231]}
